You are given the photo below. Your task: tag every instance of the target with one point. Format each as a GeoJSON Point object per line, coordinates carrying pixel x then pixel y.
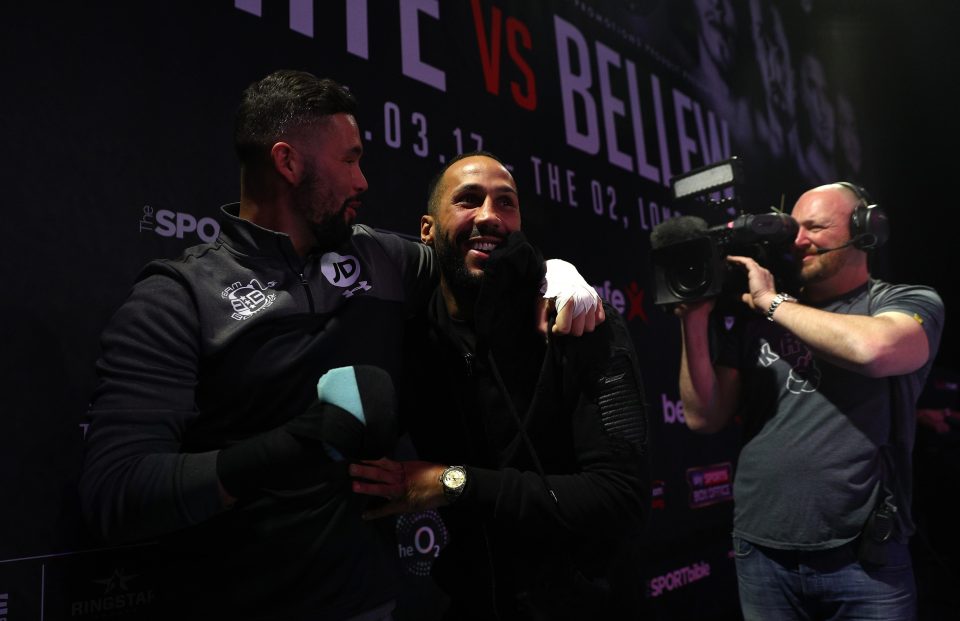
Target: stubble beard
{"type": "Point", "coordinates": [314, 200]}
{"type": "Point", "coordinates": [463, 284]}
{"type": "Point", "coordinates": [823, 268]}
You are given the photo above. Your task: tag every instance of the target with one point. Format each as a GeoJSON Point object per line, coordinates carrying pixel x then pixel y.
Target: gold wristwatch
{"type": "Point", "coordinates": [453, 480]}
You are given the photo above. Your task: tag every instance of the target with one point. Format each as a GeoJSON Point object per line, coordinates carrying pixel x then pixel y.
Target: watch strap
{"type": "Point", "coordinates": [778, 299]}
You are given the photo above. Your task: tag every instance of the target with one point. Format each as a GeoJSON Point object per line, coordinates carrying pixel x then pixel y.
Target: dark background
{"type": "Point", "coordinates": [111, 106]}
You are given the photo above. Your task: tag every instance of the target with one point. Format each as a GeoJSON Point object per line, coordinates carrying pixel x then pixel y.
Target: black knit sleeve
{"type": "Point", "coordinates": [136, 483]}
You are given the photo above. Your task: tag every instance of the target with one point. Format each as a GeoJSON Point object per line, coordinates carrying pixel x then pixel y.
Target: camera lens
{"type": "Point", "coordinates": [689, 268]}
{"type": "Point", "coordinates": [689, 277]}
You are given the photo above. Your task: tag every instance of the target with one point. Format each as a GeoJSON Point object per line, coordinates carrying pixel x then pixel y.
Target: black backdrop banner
{"type": "Point", "coordinates": [117, 117]}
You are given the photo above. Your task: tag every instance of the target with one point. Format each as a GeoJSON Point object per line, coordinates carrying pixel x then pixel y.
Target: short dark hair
{"type": "Point", "coordinates": [280, 103]}
{"type": "Point", "coordinates": [433, 188]}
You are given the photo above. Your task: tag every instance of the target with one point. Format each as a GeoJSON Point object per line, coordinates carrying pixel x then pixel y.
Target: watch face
{"type": "Point", "coordinates": [454, 478]}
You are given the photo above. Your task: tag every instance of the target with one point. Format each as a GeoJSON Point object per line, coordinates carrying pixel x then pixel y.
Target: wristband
{"type": "Point", "coordinates": [778, 299]}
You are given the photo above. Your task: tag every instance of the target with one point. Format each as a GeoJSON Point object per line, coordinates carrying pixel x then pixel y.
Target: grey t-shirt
{"type": "Point", "coordinates": [818, 444]}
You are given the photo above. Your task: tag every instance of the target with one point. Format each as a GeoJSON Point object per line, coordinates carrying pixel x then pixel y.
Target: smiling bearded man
{"type": "Point", "coordinates": [535, 451]}
{"type": "Point", "coordinates": [465, 231]}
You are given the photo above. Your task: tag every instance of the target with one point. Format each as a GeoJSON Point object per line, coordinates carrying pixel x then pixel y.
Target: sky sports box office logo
{"type": "Point", "coordinates": [710, 485]}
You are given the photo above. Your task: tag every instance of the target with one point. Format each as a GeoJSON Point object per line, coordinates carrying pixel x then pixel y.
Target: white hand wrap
{"type": "Point", "coordinates": [565, 283]}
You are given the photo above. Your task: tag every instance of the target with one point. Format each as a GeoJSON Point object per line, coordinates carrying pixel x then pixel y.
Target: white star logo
{"type": "Point", "coordinates": [116, 582]}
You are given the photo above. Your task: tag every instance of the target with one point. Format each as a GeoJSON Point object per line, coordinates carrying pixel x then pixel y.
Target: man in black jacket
{"type": "Point", "coordinates": [536, 451]}
{"type": "Point", "coordinates": [209, 430]}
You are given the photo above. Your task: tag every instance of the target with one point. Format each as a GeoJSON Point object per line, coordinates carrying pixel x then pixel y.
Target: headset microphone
{"type": "Point", "coordinates": [852, 242]}
{"type": "Point", "coordinates": [868, 223]}
{"type": "Point", "coordinates": [869, 228]}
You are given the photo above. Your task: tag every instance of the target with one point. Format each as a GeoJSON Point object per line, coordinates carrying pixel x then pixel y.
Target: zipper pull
{"type": "Point", "coordinates": [468, 364]}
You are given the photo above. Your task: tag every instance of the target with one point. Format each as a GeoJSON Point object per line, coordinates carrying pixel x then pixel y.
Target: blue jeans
{"type": "Point", "coordinates": [780, 585]}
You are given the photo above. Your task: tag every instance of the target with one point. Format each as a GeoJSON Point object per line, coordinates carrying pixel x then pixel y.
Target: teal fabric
{"type": "Point", "coordinates": [339, 387]}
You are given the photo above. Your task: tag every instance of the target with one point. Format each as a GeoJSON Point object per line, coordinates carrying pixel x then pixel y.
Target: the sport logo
{"type": "Point", "coordinates": [678, 578]}
{"type": "Point", "coordinates": [343, 271]}
{"type": "Point", "coordinates": [178, 224]}
{"type": "Point", "coordinates": [248, 300]}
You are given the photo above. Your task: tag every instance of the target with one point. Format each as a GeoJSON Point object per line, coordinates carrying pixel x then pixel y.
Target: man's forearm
{"type": "Point", "coordinates": [879, 346]}
{"type": "Point", "coordinates": [699, 386]}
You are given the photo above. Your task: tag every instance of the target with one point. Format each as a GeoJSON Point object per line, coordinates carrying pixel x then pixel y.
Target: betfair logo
{"type": "Point", "coordinates": [628, 303]}
{"type": "Point", "coordinates": [672, 410]}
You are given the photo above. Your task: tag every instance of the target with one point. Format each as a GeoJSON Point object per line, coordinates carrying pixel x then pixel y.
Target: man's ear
{"type": "Point", "coordinates": [286, 161]}
{"type": "Point", "coordinates": [426, 229]}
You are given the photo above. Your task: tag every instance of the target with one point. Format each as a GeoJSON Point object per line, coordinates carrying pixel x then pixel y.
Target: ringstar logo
{"type": "Point", "coordinates": [117, 599]}
{"type": "Point", "coordinates": [116, 582]}
{"type": "Point", "coordinates": [248, 300]}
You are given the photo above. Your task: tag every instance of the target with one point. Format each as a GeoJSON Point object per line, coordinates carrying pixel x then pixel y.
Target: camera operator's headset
{"type": "Point", "coordinates": [869, 228]}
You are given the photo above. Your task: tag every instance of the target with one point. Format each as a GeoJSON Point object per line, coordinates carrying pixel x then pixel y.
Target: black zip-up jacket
{"type": "Point", "coordinates": [224, 343]}
{"type": "Point", "coordinates": [526, 546]}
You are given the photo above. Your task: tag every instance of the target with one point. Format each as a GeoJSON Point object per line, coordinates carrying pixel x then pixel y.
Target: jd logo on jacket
{"type": "Point", "coordinates": [342, 271]}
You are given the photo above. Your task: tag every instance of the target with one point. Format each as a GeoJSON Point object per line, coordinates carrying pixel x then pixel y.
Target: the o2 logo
{"type": "Point", "coordinates": [420, 538]}
{"type": "Point", "coordinates": [425, 541]}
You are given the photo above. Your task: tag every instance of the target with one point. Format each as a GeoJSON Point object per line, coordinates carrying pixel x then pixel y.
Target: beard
{"type": "Point", "coordinates": [315, 201]}
{"type": "Point", "coordinates": [823, 267]}
{"type": "Point", "coordinates": [462, 283]}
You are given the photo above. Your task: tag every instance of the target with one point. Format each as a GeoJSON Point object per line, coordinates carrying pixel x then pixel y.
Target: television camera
{"type": "Point", "coordinates": [689, 257]}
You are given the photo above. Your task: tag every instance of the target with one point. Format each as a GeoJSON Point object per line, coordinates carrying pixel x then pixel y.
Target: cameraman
{"type": "Point", "coordinates": [826, 390]}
